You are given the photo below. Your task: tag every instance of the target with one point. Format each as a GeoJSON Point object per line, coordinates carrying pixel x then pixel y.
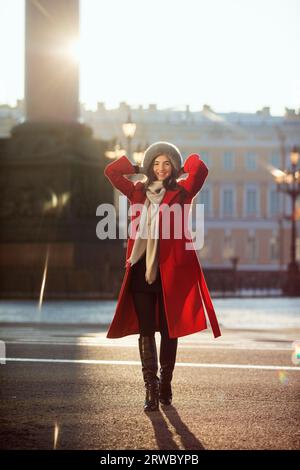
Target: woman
{"type": "Point", "coordinates": [163, 285]}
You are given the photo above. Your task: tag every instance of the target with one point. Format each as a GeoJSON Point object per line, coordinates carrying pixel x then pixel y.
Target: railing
{"type": "Point", "coordinates": [230, 283]}
{"type": "Point", "coordinates": [105, 283]}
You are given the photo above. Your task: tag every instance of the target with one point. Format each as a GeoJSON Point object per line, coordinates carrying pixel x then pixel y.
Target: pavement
{"type": "Point", "coordinates": [69, 387]}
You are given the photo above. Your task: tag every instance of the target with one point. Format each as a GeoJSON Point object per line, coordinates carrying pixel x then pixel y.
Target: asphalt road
{"type": "Point", "coordinates": [71, 388]}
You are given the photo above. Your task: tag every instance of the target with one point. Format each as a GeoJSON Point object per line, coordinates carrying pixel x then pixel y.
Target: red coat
{"type": "Point", "coordinates": [183, 284]}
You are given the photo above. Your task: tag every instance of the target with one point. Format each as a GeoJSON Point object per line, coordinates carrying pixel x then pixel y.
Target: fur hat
{"type": "Point", "coordinates": [162, 148]}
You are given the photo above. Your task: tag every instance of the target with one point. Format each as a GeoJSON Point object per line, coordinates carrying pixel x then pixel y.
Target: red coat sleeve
{"type": "Point", "coordinates": [115, 172]}
{"type": "Point", "coordinates": [197, 171]}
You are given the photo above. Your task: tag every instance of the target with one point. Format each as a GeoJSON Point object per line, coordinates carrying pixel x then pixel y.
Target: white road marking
{"type": "Point", "coordinates": [135, 363]}
{"type": "Point", "coordinates": [248, 345]}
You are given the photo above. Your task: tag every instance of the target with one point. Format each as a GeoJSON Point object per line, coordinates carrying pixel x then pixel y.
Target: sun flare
{"type": "Point", "coordinates": [73, 50]}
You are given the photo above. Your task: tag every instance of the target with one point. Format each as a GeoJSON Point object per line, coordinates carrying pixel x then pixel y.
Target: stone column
{"type": "Point", "coordinates": [51, 71]}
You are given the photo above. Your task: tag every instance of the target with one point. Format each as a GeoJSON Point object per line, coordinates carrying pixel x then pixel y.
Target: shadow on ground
{"type": "Point", "coordinates": [165, 438]}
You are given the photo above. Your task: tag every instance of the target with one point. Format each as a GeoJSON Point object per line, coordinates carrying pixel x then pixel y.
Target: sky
{"type": "Point", "coordinates": [233, 55]}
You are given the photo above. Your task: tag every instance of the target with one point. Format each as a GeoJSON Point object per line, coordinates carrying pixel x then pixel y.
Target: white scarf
{"type": "Point", "coordinates": [148, 233]}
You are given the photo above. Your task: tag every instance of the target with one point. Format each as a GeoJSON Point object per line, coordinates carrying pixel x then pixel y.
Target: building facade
{"type": "Point", "coordinates": [246, 218]}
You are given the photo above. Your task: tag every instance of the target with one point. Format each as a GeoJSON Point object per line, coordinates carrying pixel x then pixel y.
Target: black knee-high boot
{"type": "Point", "coordinates": [167, 357]}
{"type": "Point", "coordinates": [148, 354]}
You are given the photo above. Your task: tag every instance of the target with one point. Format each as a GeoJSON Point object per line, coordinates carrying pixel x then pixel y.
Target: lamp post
{"type": "Point", "coordinates": [288, 182]}
{"type": "Point", "coordinates": [230, 255]}
{"type": "Point", "coordinates": [282, 139]}
{"type": "Point", "coordinates": [128, 128]}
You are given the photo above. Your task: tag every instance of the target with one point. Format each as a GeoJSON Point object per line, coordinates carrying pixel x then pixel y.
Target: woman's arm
{"type": "Point", "coordinates": [115, 172]}
{"type": "Point", "coordinates": [197, 171]}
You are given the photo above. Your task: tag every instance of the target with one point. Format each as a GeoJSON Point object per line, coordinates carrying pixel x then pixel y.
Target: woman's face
{"type": "Point", "coordinates": [162, 167]}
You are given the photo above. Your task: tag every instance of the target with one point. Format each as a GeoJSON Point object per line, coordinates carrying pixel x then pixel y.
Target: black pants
{"type": "Point", "coordinates": [144, 297]}
{"type": "Point", "coordinates": [145, 308]}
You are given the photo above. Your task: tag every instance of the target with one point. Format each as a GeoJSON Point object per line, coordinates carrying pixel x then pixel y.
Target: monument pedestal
{"type": "Point", "coordinates": [51, 182]}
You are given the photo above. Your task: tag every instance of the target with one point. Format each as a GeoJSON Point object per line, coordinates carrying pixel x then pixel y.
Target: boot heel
{"type": "Point", "coordinates": [152, 398]}
{"type": "Point", "coordinates": [165, 394]}
{"type": "Point", "coordinates": [168, 350]}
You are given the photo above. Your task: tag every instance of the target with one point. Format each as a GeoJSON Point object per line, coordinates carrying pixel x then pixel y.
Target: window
{"type": "Point", "coordinates": [204, 198]}
{"type": "Point", "coordinates": [205, 157]}
{"type": "Point", "coordinates": [250, 161]}
{"type": "Point", "coordinates": [227, 202]}
{"type": "Point", "coordinates": [251, 201]}
{"type": "Point", "coordinates": [273, 202]}
{"type": "Point", "coordinates": [228, 161]}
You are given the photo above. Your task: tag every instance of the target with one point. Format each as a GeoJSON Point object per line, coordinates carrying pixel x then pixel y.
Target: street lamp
{"type": "Point", "coordinates": [115, 153]}
{"type": "Point", "coordinates": [129, 128]}
{"type": "Point", "coordinates": [288, 182]}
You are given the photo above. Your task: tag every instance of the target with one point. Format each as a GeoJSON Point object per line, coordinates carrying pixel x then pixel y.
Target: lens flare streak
{"type": "Point", "coordinates": [44, 279]}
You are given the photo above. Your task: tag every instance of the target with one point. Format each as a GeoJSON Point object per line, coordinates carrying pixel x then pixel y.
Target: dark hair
{"type": "Point", "coordinates": [170, 182]}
